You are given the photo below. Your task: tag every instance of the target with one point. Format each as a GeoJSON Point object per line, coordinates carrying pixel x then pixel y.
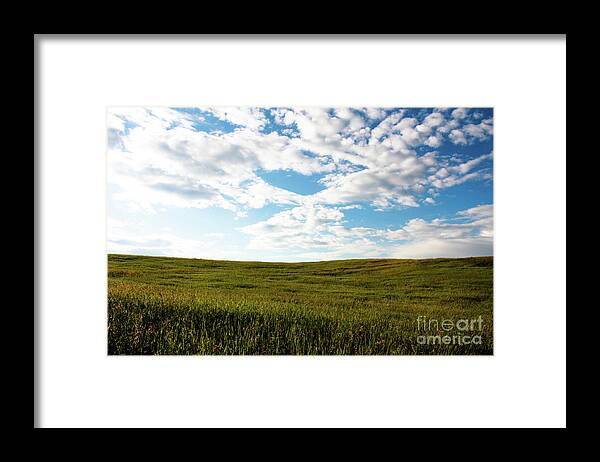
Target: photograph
{"type": "Point", "coordinates": [299, 230]}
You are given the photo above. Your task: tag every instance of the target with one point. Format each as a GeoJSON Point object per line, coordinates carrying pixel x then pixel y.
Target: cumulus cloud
{"type": "Point", "coordinates": [452, 175]}
{"type": "Point", "coordinates": [253, 118]}
{"type": "Point", "coordinates": [163, 159]}
{"type": "Point", "coordinates": [470, 133]}
{"type": "Point", "coordinates": [459, 113]}
{"type": "Point", "coordinates": [300, 227]}
{"type": "Point", "coordinates": [471, 236]}
{"type": "Point", "coordinates": [372, 158]}
{"type": "Point", "coordinates": [314, 228]}
{"type": "Point", "coordinates": [182, 167]}
{"type": "Point", "coordinates": [457, 137]}
{"type": "Point", "coordinates": [434, 141]}
{"type": "Point", "coordinates": [374, 113]}
{"type": "Point", "coordinates": [382, 187]}
{"type": "Point", "coordinates": [385, 126]}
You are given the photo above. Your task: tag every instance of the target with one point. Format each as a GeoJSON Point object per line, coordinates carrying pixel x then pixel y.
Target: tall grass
{"type": "Point", "coordinates": [351, 307]}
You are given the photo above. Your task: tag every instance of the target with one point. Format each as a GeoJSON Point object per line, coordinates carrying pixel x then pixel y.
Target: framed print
{"type": "Point", "coordinates": [299, 232]}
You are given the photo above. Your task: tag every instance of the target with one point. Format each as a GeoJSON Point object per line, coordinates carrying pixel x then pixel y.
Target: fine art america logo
{"type": "Point", "coordinates": [460, 332]}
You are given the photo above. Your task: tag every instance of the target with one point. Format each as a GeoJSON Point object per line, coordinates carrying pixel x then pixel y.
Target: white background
{"type": "Point", "coordinates": [523, 384]}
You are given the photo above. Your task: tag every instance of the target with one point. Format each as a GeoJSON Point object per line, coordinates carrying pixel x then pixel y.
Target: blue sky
{"type": "Point", "coordinates": [300, 184]}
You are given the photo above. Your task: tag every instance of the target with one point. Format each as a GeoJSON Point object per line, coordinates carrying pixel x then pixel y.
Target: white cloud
{"type": "Point", "coordinates": [452, 175]}
{"type": "Point", "coordinates": [181, 167]}
{"type": "Point", "coordinates": [319, 231]}
{"type": "Point", "coordinates": [435, 119]}
{"type": "Point", "coordinates": [443, 247]}
{"type": "Point", "coordinates": [460, 113]}
{"type": "Point", "coordinates": [480, 131]}
{"type": "Point", "coordinates": [470, 164]}
{"type": "Point", "coordinates": [457, 137]}
{"type": "Point", "coordinates": [447, 127]}
{"type": "Point", "coordinates": [481, 211]}
{"type": "Point", "coordinates": [301, 227]}
{"type": "Point", "coordinates": [471, 132]}
{"type": "Point", "coordinates": [434, 141]}
{"type": "Point", "coordinates": [250, 117]}
{"type": "Point", "coordinates": [163, 161]}
{"type": "Point", "coordinates": [385, 126]}
{"type": "Point", "coordinates": [374, 113]}
{"type": "Point", "coordinates": [383, 187]}
{"type": "Point", "coordinates": [471, 236]}
{"type": "Point", "coordinates": [157, 159]}
{"type": "Point", "coordinates": [114, 123]}
{"type": "Point", "coordinates": [154, 118]}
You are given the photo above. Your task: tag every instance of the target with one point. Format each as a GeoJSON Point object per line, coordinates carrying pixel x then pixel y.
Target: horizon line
{"type": "Point", "coordinates": [108, 254]}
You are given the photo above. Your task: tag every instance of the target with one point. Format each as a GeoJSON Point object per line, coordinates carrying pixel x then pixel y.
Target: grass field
{"type": "Point", "coordinates": [173, 306]}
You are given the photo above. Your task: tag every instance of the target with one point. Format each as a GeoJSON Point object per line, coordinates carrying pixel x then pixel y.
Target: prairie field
{"type": "Point", "coordinates": [177, 306]}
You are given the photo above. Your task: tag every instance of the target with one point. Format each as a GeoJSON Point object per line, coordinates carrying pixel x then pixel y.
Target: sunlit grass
{"type": "Point", "coordinates": [359, 307]}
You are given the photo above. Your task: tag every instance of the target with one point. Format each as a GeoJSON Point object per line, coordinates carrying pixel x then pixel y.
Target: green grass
{"type": "Point", "coordinates": [175, 306]}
